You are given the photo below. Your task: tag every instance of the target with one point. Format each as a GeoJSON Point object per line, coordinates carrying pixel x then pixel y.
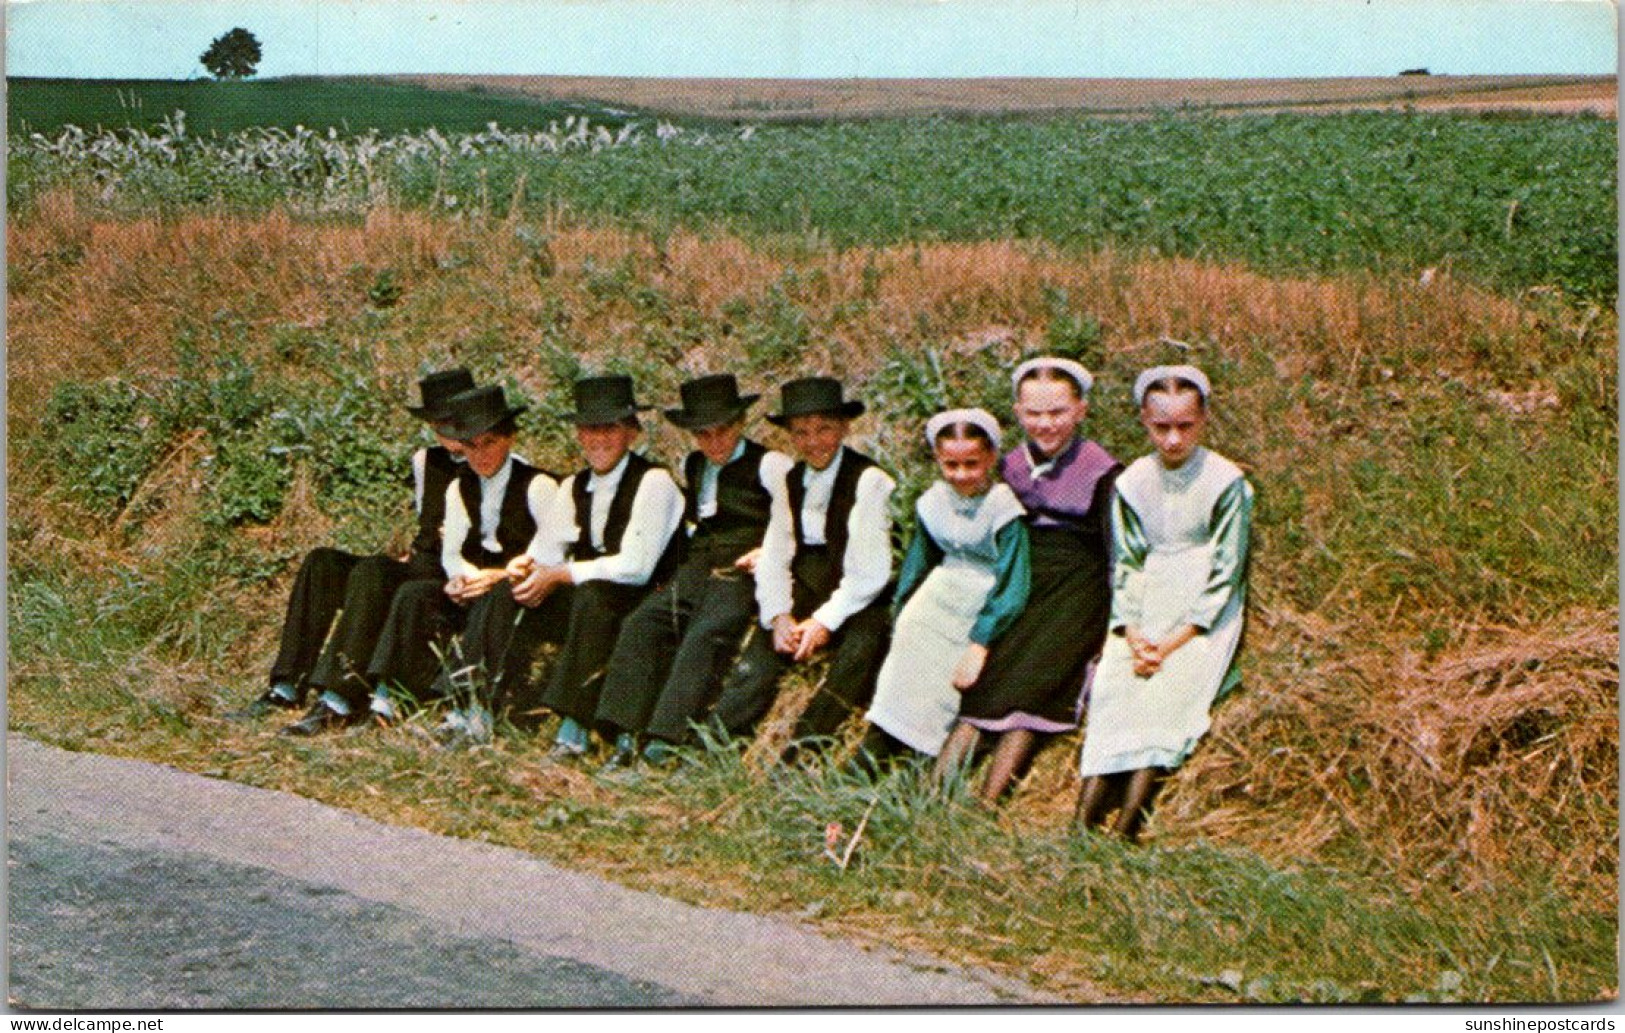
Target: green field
{"type": "Point", "coordinates": [1512, 203]}
{"type": "Point", "coordinates": [346, 105]}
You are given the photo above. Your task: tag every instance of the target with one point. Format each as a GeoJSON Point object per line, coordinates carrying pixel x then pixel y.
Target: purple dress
{"type": "Point", "coordinates": [1035, 672]}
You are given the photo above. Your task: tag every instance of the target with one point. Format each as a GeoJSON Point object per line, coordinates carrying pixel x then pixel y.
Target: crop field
{"type": "Point", "coordinates": [815, 99]}
{"type": "Point", "coordinates": [1411, 324]}
{"type": "Point", "coordinates": [1510, 204]}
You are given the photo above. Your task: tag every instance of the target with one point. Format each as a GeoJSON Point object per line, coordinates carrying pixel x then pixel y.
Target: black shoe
{"type": "Point", "coordinates": [268, 702]}
{"type": "Point", "coordinates": [322, 718]}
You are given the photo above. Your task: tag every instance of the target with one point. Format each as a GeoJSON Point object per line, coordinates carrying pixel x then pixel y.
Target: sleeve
{"type": "Point", "coordinates": [561, 526]}
{"type": "Point", "coordinates": [1100, 507]}
{"type": "Point", "coordinates": [1228, 532]}
{"type": "Point", "coordinates": [923, 554]}
{"type": "Point", "coordinates": [866, 565]}
{"type": "Point", "coordinates": [774, 468]}
{"type": "Point", "coordinates": [1014, 580]}
{"type": "Point", "coordinates": [1129, 548]}
{"type": "Point", "coordinates": [541, 499]}
{"type": "Point", "coordinates": [420, 471]}
{"type": "Point", "coordinates": [657, 513]}
{"type": "Point", "coordinates": [457, 528]}
{"type": "Point", "coordinates": [773, 592]}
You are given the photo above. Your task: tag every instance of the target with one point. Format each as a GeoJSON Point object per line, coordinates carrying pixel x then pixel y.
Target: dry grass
{"type": "Point", "coordinates": [786, 99]}
{"type": "Point", "coordinates": [1495, 760]}
{"type": "Point", "coordinates": [97, 298]}
{"type": "Point", "coordinates": [1458, 763]}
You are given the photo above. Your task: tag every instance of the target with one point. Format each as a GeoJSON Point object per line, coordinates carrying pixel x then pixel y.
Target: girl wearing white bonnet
{"type": "Point", "coordinates": [1036, 673]}
{"type": "Point", "coordinates": [962, 583]}
{"type": "Point", "coordinates": [1180, 525]}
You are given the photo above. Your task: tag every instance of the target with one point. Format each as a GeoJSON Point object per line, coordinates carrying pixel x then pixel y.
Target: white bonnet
{"type": "Point", "coordinates": [1080, 376]}
{"type": "Point", "coordinates": [1143, 382]}
{"type": "Point", "coordinates": [976, 417]}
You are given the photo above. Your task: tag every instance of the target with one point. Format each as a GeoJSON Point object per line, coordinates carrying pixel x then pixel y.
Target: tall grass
{"type": "Point", "coordinates": [1414, 794]}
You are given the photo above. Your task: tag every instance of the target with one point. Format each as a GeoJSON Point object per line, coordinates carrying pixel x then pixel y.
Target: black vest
{"type": "Point", "coordinates": [515, 526]}
{"type": "Point", "coordinates": [743, 505]}
{"type": "Point", "coordinates": [439, 470]}
{"type": "Point", "coordinates": [620, 514]}
{"type": "Point", "coordinates": [841, 498]}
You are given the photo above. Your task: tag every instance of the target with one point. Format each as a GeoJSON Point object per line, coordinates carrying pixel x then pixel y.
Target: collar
{"type": "Point", "coordinates": [613, 477]}
{"type": "Point", "coordinates": [809, 476]}
{"type": "Point", "coordinates": [1041, 466]}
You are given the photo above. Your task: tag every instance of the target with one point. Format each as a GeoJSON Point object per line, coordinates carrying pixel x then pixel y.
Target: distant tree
{"type": "Point", "coordinates": [232, 56]}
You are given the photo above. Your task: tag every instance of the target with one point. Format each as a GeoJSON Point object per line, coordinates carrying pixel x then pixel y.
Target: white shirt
{"type": "Point", "coordinates": [657, 513]}
{"type": "Point", "coordinates": [539, 500]}
{"type": "Point", "coordinates": [420, 471]}
{"type": "Point", "coordinates": [866, 565]}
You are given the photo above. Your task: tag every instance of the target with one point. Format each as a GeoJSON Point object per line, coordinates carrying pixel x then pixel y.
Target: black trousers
{"type": "Point", "coordinates": [358, 591]}
{"type": "Point", "coordinates": [422, 620]}
{"type": "Point", "coordinates": [855, 653]}
{"type": "Point", "coordinates": [597, 610]}
{"type": "Point", "coordinates": [490, 661]}
{"type": "Point", "coordinates": [673, 650]}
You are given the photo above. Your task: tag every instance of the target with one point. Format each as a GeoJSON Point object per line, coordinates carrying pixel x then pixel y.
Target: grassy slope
{"type": "Point", "coordinates": [1414, 795]}
{"type": "Point", "coordinates": [348, 105]}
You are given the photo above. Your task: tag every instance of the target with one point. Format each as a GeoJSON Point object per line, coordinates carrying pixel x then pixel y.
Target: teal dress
{"type": "Point", "coordinates": [965, 579]}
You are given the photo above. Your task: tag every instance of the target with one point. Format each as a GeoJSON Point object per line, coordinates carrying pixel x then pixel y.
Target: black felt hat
{"type": "Point", "coordinates": [466, 416]}
{"type": "Point", "coordinates": [604, 400]}
{"type": "Point", "coordinates": [710, 402]}
{"type": "Point", "coordinates": [436, 388]}
{"type": "Point", "coordinates": [814, 396]}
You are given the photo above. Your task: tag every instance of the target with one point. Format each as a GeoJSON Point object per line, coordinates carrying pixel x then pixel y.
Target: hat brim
{"type": "Point", "coordinates": [699, 421]}
{"type": "Point", "coordinates": [470, 431]}
{"type": "Point", "coordinates": [602, 417]}
{"type": "Point", "coordinates": [850, 409]}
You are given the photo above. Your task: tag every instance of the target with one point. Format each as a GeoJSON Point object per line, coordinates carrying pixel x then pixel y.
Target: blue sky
{"type": "Point", "coordinates": [822, 38]}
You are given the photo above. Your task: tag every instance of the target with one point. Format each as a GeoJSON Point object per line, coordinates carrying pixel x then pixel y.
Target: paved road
{"type": "Point", "coordinates": [136, 886]}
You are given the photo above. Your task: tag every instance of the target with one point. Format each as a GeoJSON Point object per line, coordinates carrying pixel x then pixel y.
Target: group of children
{"type": "Point", "coordinates": [1031, 583]}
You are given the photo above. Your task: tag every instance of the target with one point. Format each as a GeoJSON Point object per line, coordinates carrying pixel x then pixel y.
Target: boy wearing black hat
{"type": "Point", "coordinates": [614, 520]}
{"type": "Point", "coordinates": [617, 521]}
{"type": "Point", "coordinates": [671, 655]}
{"type": "Point", "coordinates": [822, 578]}
{"type": "Point", "coordinates": [493, 509]}
{"type": "Point", "coordinates": [358, 589]}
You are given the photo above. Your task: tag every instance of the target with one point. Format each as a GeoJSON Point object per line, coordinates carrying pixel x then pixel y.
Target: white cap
{"type": "Point", "coordinates": [976, 417]}
{"type": "Point", "coordinates": [1080, 376]}
{"type": "Point", "coordinates": [1191, 374]}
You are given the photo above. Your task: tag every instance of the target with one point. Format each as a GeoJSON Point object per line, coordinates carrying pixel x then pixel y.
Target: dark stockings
{"type": "Point", "coordinates": [956, 753]}
{"type": "Point", "coordinates": [1009, 757]}
{"type": "Point", "coordinates": [1135, 790]}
